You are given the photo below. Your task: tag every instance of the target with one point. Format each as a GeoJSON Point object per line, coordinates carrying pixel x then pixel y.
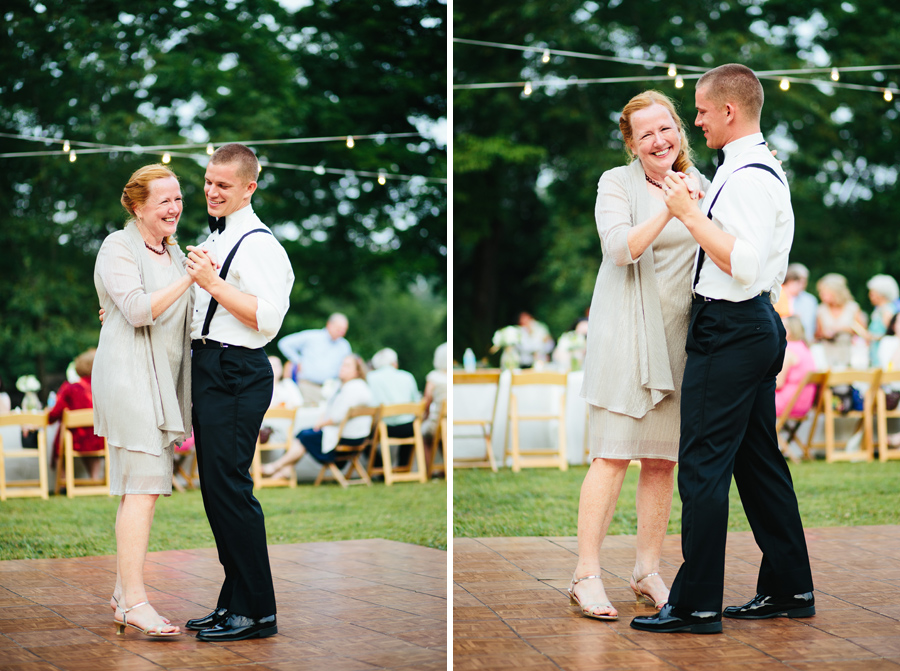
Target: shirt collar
{"type": "Point", "coordinates": [736, 147]}
{"type": "Point", "coordinates": [239, 218]}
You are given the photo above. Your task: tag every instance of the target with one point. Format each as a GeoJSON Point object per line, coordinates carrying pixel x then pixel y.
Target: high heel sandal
{"type": "Point", "coordinates": [641, 595]}
{"type": "Point", "coordinates": [156, 631]}
{"type": "Point", "coordinates": [588, 610]}
{"type": "Point", "coordinates": [116, 607]}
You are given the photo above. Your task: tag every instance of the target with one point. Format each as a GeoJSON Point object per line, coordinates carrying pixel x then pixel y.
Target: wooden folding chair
{"type": "Point", "coordinates": [789, 425]}
{"type": "Point", "coordinates": [78, 419]}
{"type": "Point", "coordinates": [440, 441]}
{"type": "Point", "coordinates": [348, 456]}
{"type": "Point", "coordinates": [36, 421]}
{"type": "Point", "coordinates": [385, 443]}
{"type": "Point", "coordinates": [282, 416]}
{"type": "Point", "coordinates": [485, 423]}
{"type": "Point", "coordinates": [538, 457]}
{"type": "Point", "coordinates": [886, 452]}
{"type": "Point", "coordinates": [866, 416]}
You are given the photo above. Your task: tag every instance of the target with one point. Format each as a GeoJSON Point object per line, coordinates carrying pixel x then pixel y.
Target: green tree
{"type": "Point", "coordinates": [195, 71]}
{"type": "Point", "coordinates": [526, 167]}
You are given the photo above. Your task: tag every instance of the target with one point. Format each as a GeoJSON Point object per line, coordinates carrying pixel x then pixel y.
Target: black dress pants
{"type": "Point", "coordinates": [231, 391]}
{"type": "Point", "coordinates": [734, 350]}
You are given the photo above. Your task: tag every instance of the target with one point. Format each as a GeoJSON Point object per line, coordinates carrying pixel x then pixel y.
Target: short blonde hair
{"type": "Point", "coordinates": [836, 284]}
{"type": "Point", "coordinates": [794, 327]}
{"type": "Point", "coordinates": [84, 363]}
{"type": "Point", "coordinates": [242, 157]}
{"type": "Point", "coordinates": [884, 285]}
{"type": "Point", "coordinates": [361, 368]}
{"type": "Point", "coordinates": [647, 99]}
{"type": "Point", "coordinates": [735, 83]}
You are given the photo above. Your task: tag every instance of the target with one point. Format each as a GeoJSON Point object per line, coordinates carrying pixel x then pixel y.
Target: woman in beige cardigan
{"type": "Point", "coordinates": [635, 354]}
{"type": "Point", "coordinates": [141, 376]}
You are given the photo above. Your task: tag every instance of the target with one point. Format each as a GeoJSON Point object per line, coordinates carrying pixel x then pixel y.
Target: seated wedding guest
{"type": "Point", "coordinates": [798, 361]}
{"type": "Point", "coordinates": [536, 343]}
{"type": "Point", "coordinates": [285, 394]}
{"type": "Point", "coordinates": [839, 318]}
{"type": "Point", "coordinates": [320, 441]}
{"type": "Point", "coordinates": [78, 396]}
{"type": "Point", "coordinates": [391, 385]}
{"type": "Point", "coordinates": [434, 396]}
{"type": "Point", "coordinates": [795, 300]}
{"type": "Point", "coordinates": [884, 294]}
{"type": "Point", "coordinates": [317, 355]}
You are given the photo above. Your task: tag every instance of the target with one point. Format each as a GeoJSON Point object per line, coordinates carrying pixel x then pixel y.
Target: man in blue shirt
{"type": "Point", "coordinates": [317, 355]}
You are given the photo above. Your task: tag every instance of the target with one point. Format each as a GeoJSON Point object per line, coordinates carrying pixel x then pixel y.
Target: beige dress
{"type": "Point", "coordinates": [141, 375]}
{"type": "Point", "coordinates": [635, 357]}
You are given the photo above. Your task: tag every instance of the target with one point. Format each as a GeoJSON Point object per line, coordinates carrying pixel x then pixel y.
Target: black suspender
{"type": "Point", "coordinates": [213, 303]}
{"type": "Point", "coordinates": [702, 255]}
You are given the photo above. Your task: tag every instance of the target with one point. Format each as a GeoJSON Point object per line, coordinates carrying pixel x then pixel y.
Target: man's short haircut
{"type": "Point", "coordinates": [384, 357]}
{"type": "Point", "coordinates": [796, 271]}
{"type": "Point", "coordinates": [337, 316]}
{"type": "Point", "coordinates": [240, 155]}
{"type": "Point", "coordinates": [735, 83]}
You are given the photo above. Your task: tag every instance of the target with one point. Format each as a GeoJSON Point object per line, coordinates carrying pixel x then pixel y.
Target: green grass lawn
{"type": "Point", "coordinates": [544, 502]}
{"type": "Point", "coordinates": [61, 527]}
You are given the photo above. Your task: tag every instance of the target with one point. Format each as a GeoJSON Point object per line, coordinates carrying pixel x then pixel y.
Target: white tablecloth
{"type": "Point", "coordinates": [476, 401]}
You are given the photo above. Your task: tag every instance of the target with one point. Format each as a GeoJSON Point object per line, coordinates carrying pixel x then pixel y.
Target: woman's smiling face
{"type": "Point", "coordinates": [656, 140]}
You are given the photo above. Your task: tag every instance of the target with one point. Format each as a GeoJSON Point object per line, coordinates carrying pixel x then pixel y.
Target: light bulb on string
{"type": "Point", "coordinates": [672, 71]}
{"type": "Point", "coordinates": [835, 75]}
{"type": "Point", "coordinates": [528, 90]}
{"type": "Point", "coordinates": [888, 96]}
{"type": "Point", "coordinates": [382, 179]}
{"type": "Point", "coordinates": [784, 85]}
{"type": "Point", "coordinates": [350, 142]}
{"type": "Point", "coordinates": [66, 146]}
{"type": "Point", "coordinates": [679, 82]}
{"type": "Point", "coordinates": [319, 170]}
{"type": "Point", "coordinates": [546, 57]}
{"type": "Point", "coordinates": [72, 156]}
{"type": "Point", "coordinates": [167, 157]}
{"type": "Point", "coordinates": [210, 149]}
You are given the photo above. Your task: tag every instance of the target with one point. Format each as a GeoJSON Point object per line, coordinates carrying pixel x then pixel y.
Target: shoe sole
{"type": "Point", "coordinates": [808, 611]}
{"type": "Point", "coordinates": [702, 628]}
{"type": "Point", "coordinates": [262, 633]}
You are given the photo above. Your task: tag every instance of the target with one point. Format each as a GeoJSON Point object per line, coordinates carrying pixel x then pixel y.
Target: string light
{"type": "Point", "coordinates": [167, 157]}
{"type": "Point", "coordinates": [72, 156]}
{"type": "Point", "coordinates": [528, 89]}
{"type": "Point", "coordinates": [209, 149]}
{"type": "Point", "coordinates": [784, 85]}
{"type": "Point", "coordinates": [679, 82]}
{"type": "Point", "coordinates": [888, 95]}
{"type": "Point", "coordinates": [350, 142]}
{"type": "Point", "coordinates": [672, 71]}
{"type": "Point", "coordinates": [835, 75]}
{"type": "Point", "coordinates": [382, 179]}
{"type": "Point", "coordinates": [66, 146]}
{"type": "Point", "coordinates": [546, 57]}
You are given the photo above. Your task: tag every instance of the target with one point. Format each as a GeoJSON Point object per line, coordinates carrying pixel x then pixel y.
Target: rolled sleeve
{"type": "Point", "coordinates": [745, 266]}
{"type": "Point", "coordinates": [269, 280]}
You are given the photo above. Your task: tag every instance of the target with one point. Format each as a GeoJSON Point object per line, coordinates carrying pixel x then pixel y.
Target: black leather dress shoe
{"type": "Point", "coordinates": [207, 621]}
{"type": "Point", "coordinates": [670, 620]}
{"type": "Point", "coordinates": [237, 628]}
{"type": "Point", "coordinates": [761, 607]}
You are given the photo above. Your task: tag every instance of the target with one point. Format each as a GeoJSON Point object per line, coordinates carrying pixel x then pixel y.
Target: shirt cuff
{"type": "Point", "coordinates": [744, 263]}
{"type": "Point", "coordinates": [268, 319]}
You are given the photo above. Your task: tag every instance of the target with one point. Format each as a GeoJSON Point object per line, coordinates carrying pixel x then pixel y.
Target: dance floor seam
{"type": "Point", "coordinates": [343, 606]}
{"type": "Point", "coordinates": [511, 608]}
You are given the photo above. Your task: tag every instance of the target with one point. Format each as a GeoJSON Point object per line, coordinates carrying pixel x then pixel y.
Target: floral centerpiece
{"type": "Point", "coordinates": [29, 385]}
{"type": "Point", "coordinates": [569, 352]}
{"type": "Point", "coordinates": [507, 339]}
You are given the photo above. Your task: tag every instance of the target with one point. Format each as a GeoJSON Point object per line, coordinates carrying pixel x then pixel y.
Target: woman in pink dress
{"type": "Point", "coordinates": [798, 361]}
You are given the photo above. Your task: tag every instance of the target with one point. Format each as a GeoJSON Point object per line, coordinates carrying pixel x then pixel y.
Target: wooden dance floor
{"type": "Point", "coordinates": [342, 606]}
{"type": "Point", "coordinates": [510, 609]}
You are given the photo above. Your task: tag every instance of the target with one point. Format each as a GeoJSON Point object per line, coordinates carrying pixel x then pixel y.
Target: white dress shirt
{"type": "Point", "coordinates": [260, 268]}
{"type": "Point", "coordinates": [755, 208]}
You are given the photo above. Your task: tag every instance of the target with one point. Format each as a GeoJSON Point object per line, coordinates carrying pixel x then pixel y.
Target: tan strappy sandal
{"type": "Point", "coordinates": [587, 610]}
{"type": "Point", "coordinates": [154, 631]}
{"type": "Point", "coordinates": [641, 595]}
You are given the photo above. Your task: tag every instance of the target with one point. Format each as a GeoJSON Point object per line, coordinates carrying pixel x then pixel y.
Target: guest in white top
{"type": "Point", "coordinates": [317, 355]}
{"type": "Point", "coordinates": [320, 441]}
{"type": "Point", "coordinates": [285, 394]}
{"type": "Point", "coordinates": [435, 395]}
{"type": "Point", "coordinates": [244, 280]}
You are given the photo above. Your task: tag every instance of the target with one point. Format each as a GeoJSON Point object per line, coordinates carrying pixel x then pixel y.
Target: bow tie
{"type": "Point", "coordinates": [720, 154]}
{"type": "Point", "coordinates": [216, 224]}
